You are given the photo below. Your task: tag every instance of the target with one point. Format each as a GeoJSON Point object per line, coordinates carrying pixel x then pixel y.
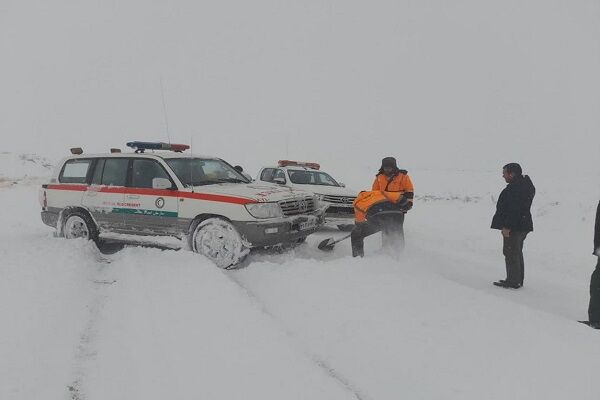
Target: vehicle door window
{"type": "Point", "coordinates": [75, 171]}
{"type": "Point", "coordinates": [115, 171]}
{"type": "Point", "coordinates": [144, 171]}
{"type": "Point", "coordinates": [301, 177]}
{"type": "Point", "coordinates": [279, 174]}
{"type": "Point", "coordinates": [98, 169]}
{"type": "Point", "coordinates": [267, 174]}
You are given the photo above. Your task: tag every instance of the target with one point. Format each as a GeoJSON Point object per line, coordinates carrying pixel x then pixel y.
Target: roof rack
{"type": "Point", "coordinates": [141, 146]}
{"type": "Point", "coordinates": [287, 163]}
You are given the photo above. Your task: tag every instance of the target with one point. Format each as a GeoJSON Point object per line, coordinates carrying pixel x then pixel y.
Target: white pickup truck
{"type": "Point", "coordinates": [334, 196]}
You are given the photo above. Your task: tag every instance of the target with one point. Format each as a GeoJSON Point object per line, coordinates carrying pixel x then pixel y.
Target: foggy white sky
{"type": "Point", "coordinates": [466, 84]}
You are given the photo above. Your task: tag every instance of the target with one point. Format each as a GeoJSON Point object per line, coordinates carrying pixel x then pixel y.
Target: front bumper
{"type": "Point", "coordinates": [335, 214]}
{"type": "Point", "coordinates": [280, 232]}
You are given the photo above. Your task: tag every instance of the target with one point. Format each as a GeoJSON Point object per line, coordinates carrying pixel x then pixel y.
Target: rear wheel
{"type": "Point", "coordinates": [219, 241]}
{"type": "Point", "coordinates": [79, 225]}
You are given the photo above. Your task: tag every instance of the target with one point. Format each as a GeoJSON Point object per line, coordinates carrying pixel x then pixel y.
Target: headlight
{"type": "Point", "coordinates": [264, 210]}
{"type": "Point", "coordinates": [319, 200]}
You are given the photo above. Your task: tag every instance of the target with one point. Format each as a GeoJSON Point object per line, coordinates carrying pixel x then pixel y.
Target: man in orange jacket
{"type": "Point", "coordinates": [383, 208]}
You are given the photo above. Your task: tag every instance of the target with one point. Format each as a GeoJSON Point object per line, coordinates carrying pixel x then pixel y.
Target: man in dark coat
{"type": "Point", "coordinates": [594, 308]}
{"type": "Point", "coordinates": [513, 218]}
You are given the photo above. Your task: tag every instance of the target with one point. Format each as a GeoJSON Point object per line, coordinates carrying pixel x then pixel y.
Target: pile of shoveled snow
{"type": "Point", "coordinates": [23, 167]}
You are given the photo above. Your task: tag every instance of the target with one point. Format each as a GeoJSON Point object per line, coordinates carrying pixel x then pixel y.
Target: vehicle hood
{"type": "Point", "coordinates": [260, 192]}
{"type": "Point", "coordinates": [328, 190]}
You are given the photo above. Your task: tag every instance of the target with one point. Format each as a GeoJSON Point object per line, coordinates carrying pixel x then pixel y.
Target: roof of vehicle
{"type": "Point", "coordinates": [294, 163]}
{"type": "Point", "coordinates": [148, 154]}
{"type": "Point", "coordinates": [295, 168]}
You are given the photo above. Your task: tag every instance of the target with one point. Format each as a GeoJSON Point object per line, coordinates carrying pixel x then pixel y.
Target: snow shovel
{"type": "Point", "coordinates": [329, 244]}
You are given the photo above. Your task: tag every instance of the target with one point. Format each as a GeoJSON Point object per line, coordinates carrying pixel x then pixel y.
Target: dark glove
{"type": "Point", "coordinates": [404, 203]}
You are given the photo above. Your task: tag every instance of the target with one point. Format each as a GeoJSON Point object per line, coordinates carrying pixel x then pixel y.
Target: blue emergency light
{"type": "Point", "coordinates": [141, 146]}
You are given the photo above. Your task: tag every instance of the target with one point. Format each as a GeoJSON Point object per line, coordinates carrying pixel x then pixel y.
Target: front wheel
{"type": "Point", "coordinates": [219, 241]}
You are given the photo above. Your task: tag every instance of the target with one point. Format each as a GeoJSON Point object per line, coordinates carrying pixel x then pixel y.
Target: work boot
{"type": "Point", "coordinates": [507, 285]}
{"type": "Point", "coordinates": [358, 251]}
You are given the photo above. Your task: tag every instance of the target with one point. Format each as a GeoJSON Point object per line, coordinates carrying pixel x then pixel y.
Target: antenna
{"type": "Point", "coordinates": [164, 103]}
{"type": "Point", "coordinates": [192, 162]}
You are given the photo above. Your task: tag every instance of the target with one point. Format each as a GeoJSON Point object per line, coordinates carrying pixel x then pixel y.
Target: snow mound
{"type": "Point", "coordinates": [23, 168]}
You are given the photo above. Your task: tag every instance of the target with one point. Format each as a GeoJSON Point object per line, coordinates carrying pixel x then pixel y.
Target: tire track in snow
{"type": "Point", "coordinates": [316, 359]}
{"type": "Point", "coordinates": [86, 351]}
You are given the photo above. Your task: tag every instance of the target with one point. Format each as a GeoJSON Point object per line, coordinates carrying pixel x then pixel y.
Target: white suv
{"type": "Point", "coordinates": [334, 196]}
{"type": "Point", "coordinates": [171, 199]}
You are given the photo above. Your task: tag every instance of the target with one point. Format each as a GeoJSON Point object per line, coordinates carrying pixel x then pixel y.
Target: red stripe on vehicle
{"type": "Point", "coordinates": [76, 188]}
{"type": "Point", "coordinates": [216, 197]}
{"type": "Point", "coordinates": [158, 192]}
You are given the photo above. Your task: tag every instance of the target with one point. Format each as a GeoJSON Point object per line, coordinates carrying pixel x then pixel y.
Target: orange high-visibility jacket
{"type": "Point", "coordinates": [366, 200]}
{"type": "Point", "coordinates": [384, 189]}
{"type": "Point", "coordinates": [399, 183]}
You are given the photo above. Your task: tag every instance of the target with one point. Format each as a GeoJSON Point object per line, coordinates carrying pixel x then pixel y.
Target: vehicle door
{"type": "Point", "coordinates": [149, 207]}
{"type": "Point", "coordinates": [105, 195]}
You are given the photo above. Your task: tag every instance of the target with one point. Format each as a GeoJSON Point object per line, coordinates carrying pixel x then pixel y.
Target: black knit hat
{"type": "Point", "coordinates": [389, 162]}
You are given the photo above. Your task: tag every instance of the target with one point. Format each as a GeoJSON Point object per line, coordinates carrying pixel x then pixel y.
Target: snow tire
{"type": "Point", "coordinates": [219, 241]}
{"type": "Point", "coordinates": [78, 224]}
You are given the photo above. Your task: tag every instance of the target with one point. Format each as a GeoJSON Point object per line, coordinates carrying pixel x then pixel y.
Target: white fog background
{"type": "Point", "coordinates": [453, 89]}
{"type": "Point", "coordinates": [465, 84]}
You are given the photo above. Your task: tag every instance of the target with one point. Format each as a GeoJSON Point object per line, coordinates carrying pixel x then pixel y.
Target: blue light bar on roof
{"type": "Point", "coordinates": [141, 146]}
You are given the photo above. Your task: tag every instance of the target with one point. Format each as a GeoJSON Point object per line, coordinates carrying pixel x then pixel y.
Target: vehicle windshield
{"type": "Point", "coordinates": [204, 171]}
{"type": "Point", "coordinates": [302, 177]}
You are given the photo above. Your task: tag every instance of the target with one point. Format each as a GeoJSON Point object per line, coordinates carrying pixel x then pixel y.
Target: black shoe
{"type": "Point", "coordinates": [507, 285]}
{"type": "Point", "coordinates": [515, 285]}
{"type": "Point", "coordinates": [592, 324]}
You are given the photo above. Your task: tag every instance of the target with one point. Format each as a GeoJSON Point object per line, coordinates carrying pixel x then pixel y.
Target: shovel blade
{"type": "Point", "coordinates": [327, 244]}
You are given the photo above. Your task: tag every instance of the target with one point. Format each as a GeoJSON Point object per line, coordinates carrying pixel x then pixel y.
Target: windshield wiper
{"type": "Point", "coordinates": [217, 181]}
{"type": "Point", "coordinates": [233, 180]}
{"type": "Point", "coordinates": [208, 182]}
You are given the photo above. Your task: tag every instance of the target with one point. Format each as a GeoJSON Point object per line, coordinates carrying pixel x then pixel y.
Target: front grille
{"type": "Point", "coordinates": [297, 206]}
{"type": "Point", "coordinates": [338, 199]}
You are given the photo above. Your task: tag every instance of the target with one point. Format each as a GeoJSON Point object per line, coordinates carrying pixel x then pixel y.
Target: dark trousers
{"type": "Point", "coordinates": [392, 230]}
{"type": "Point", "coordinates": [513, 256]}
{"type": "Point", "coordinates": [594, 308]}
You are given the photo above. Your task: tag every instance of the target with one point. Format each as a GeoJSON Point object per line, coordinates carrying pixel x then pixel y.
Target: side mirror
{"type": "Point", "coordinates": [279, 181]}
{"type": "Point", "coordinates": [161, 183]}
{"type": "Point", "coordinates": [342, 184]}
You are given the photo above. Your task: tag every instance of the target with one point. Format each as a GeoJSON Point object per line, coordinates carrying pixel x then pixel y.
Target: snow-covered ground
{"type": "Point", "coordinates": [151, 324]}
{"type": "Point", "coordinates": [454, 90]}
